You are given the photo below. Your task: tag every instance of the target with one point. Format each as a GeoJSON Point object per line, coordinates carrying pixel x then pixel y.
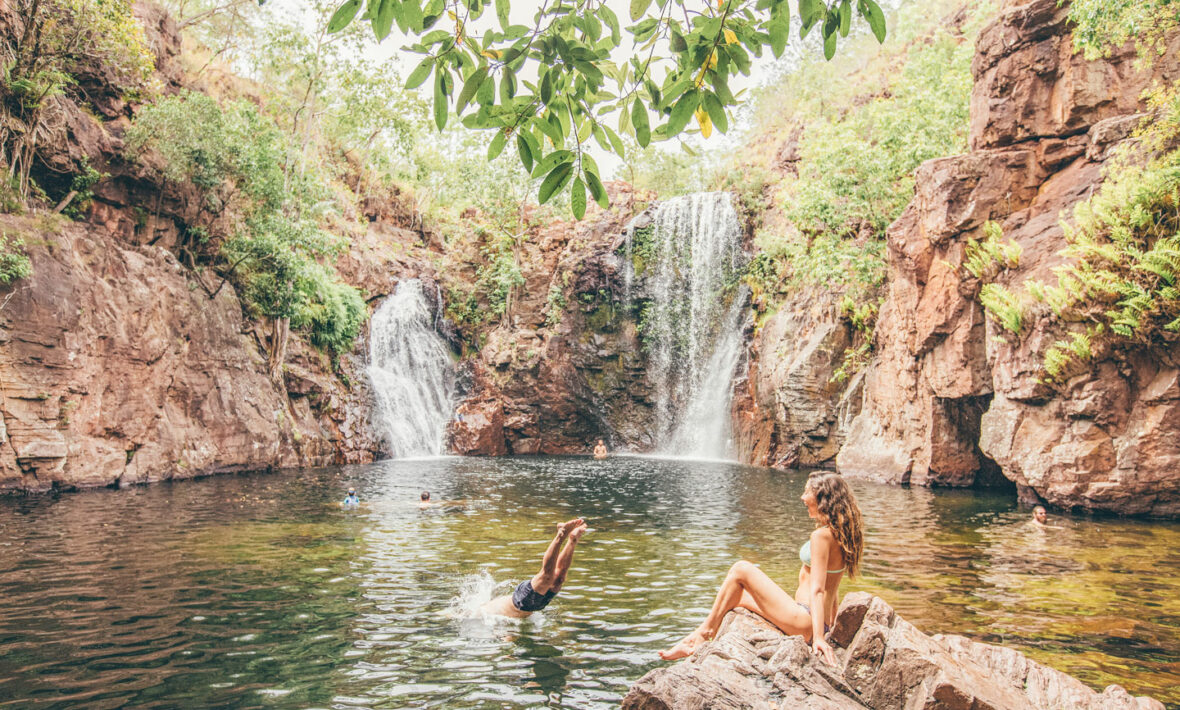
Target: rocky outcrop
{"type": "Point", "coordinates": [947, 400]}
{"type": "Point", "coordinates": [789, 411]}
{"type": "Point", "coordinates": [882, 663]}
{"type": "Point", "coordinates": [563, 367]}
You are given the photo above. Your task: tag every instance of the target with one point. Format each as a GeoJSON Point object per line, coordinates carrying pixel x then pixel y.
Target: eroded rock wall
{"type": "Point", "coordinates": [564, 366]}
{"type": "Point", "coordinates": [947, 400]}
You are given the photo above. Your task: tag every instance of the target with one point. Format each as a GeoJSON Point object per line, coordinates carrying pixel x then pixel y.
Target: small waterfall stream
{"type": "Point", "coordinates": [412, 375]}
{"type": "Point", "coordinates": [688, 264]}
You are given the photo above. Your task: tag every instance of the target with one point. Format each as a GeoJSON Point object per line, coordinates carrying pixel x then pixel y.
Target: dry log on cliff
{"type": "Point", "coordinates": [883, 663]}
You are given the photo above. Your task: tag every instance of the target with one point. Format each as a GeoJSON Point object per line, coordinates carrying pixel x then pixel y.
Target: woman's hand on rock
{"type": "Point", "coordinates": [821, 648]}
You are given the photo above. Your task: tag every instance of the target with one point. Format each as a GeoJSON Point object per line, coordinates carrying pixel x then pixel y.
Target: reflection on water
{"type": "Point", "coordinates": [260, 591]}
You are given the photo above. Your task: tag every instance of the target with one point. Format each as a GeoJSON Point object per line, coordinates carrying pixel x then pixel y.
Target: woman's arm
{"type": "Point", "coordinates": [821, 549]}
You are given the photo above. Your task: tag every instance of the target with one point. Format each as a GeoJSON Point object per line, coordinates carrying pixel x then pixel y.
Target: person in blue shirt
{"type": "Point", "coordinates": [351, 500]}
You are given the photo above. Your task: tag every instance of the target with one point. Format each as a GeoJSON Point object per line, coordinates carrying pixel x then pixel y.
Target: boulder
{"type": "Point", "coordinates": [882, 663]}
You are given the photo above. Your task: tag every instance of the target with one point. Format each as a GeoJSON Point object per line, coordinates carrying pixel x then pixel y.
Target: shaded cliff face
{"type": "Point", "coordinates": [946, 400]}
{"type": "Point", "coordinates": [564, 367]}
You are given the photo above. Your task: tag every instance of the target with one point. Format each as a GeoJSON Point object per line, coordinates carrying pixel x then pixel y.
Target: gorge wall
{"type": "Point", "coordinates": [947, 399]}
{"type": "Point", "coordinates": [121, 363]}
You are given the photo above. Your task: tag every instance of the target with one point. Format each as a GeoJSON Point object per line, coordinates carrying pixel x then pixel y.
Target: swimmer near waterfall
{"type": "Point", "coordinates": [535, 594]}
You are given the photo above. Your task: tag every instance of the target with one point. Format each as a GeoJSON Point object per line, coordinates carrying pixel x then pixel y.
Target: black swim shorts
{"type": "Point", "coordinates": [526, 599]}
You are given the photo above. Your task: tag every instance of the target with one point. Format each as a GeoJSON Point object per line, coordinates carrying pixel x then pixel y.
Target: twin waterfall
{"type": "Point", "coordinates": [683, 277]}
{"type": "Point", "coordinates": [690, 262]}
{"type": "Point", "coordinates": [411, 373]}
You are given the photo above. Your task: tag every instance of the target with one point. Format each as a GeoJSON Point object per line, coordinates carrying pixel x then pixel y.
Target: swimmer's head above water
{"type": "Point", "coordinates": [425, 496]}
{"type": "Point", "coordinates": [1039, 515]}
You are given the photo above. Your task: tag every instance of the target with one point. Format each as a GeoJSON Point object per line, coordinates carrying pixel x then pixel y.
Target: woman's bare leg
{"type": "Point", "coordinates": [749, 587]}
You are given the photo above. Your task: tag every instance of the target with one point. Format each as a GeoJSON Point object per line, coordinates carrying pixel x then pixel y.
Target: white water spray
{"type": "Point", "coordinates": [692, 262]}
{"type": "Point", "coordinates": [411, 373]}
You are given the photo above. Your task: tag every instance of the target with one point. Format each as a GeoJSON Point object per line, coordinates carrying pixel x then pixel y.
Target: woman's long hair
{"type": "Point", "coordinates": [838, 509]}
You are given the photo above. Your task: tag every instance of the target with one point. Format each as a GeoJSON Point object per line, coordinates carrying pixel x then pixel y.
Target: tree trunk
{"type": "Point", "coordinates": [278, 348]}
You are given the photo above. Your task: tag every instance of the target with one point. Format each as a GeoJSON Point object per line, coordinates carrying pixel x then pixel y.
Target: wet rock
{"type": "Point", "coordinates": [882, 663]}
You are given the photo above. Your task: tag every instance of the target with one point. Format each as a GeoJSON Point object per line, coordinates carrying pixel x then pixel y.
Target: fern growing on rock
{"type": "Point", "coordinates": [1120, 280]}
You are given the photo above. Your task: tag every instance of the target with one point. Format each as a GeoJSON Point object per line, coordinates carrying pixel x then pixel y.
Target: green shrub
{"type": "Point", "coordinates": [1102, 26]}
{"type": "Point", "coordinates": [14, 264]}
{"type": "Point", "coordinates": [242, 160]}
{"type": "Point", "coordinates": [1120, 280]}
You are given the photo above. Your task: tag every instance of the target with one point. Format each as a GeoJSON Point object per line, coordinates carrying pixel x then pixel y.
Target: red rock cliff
{"type": "Point", "coordinates": [946, 401]}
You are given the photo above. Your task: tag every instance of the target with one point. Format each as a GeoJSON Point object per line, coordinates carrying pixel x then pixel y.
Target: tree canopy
{"type": "Point", "coordinates": [553, 86]}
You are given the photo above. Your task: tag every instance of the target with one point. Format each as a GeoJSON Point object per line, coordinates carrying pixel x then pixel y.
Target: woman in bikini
{"type": "Point", "coordinates": [834, 549]}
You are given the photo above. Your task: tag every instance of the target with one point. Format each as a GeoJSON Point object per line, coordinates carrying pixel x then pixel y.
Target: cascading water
{"type": "Point", "coordinates": [411, 372]}
{"type": "Point", "coordinates": [687, 266]}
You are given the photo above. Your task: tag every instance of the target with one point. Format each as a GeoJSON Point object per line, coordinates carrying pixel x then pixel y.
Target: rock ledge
{"type": "Point", "coordinates": [883, 663]}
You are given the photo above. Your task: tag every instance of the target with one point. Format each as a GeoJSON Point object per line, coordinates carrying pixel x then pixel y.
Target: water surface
{"type": "Point", "coordinates": [259, 591]}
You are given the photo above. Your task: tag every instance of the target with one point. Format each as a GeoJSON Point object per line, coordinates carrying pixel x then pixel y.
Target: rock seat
{"type": "Point", "coordinates": [883, 663]}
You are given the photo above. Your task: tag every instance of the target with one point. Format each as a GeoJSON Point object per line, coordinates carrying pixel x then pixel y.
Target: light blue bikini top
{"type": "Point", "coordinates": [805, 557]}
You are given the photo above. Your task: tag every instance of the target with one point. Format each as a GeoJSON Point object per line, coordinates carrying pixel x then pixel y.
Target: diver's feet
{"type": "Point", "coordinates": [577, 533]}
{"type": "Point", "coordinates": [568, 526]}
{"type": "Point", "coordinates": [686, 647]}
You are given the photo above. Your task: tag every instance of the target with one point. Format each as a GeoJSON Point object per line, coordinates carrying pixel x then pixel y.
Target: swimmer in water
{"type": "Point", "coordinates": [351, 500]}
{"type": "Point", "coordinates": [600, 450]}
{"type": "Point", "coordinates": [424, 500]}
{"type": "Point", "coordinates": [535, 594]}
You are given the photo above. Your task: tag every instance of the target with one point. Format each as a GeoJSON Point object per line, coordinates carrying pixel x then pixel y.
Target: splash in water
{"type": "Point", "coordinates": [412, 375]}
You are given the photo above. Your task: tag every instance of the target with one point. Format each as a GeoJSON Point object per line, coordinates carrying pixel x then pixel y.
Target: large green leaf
{"type": "Point", "coordinates": [502, 8]}
{"type": "Point", "coordinates": [344, 15]}
{"type": "Point", "coordinates": [578, 198]}
{"type": "Point", "coordinates": [779, 30]}
{"type": "Point", "coordinates": [440, 100]}
{"type": "Point", "coordinates": [554, 181]}
{"type": "Point", "coordinates": [497, 145]}
{"type": "Point", "coordinates": [682, 113]}
{"type": "Point", "coordinates": [477, 78]}
{"type": "Point", "coordinates": [716, 112]}
{"type": "Point", "coordinates": [876, 18]}
{"type": "Point", "coordinates": [597, 191]}
{"type": "Point", "coordinates": [526, 152]}
{"type": "Point", "coordinates": [420, 73]}
{"type": "Point", "coordinates": [639, 8]}
{"type": "Point", "coordinates": [383, 22]}
{"type": "Point", "coordinates": [639, 121]}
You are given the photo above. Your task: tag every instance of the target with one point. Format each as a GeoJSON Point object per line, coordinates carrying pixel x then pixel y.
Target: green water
{"type": "Point", "coordinates": [259, 591]}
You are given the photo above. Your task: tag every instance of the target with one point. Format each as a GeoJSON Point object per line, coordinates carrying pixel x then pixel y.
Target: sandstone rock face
{"type": "Point", "coordinates": [790, 412]}
{"type": "Point", "coordinates": [948, 400]}
{"type": "Point", "coordinates": [564, 366]}
{"type": "Point", "coordinates": [882, 663]}
{"type": "Point", "coordinates": [117, 370]}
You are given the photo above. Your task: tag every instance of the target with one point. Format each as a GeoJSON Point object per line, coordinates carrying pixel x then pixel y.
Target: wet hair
{"type": "Point", "coordinates": [838, 509]}
{"type": "Point", "coordinates": [1039, 508]}
{"type": "Point", "coordinates": [425, 495]}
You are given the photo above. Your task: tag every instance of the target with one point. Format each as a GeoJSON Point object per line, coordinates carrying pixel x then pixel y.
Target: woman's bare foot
{"type": "Point", "coordinates": [686, 647]}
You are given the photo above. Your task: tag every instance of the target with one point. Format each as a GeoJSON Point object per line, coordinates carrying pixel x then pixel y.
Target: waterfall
{"type": "Point", "coordinates": [686, 269]}
{"type": "Point", "coordinates": [411, 373]}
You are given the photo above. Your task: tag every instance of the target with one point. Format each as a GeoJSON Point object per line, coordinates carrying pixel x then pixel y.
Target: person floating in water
{"type": "Point", "coordinates": [535, 594]}
{"type": "Point", "coordinates": [600, 450]}
{"type": "Point", "coordinates": [424, 500]}
{"type": "Point", "coordinates": [834, 549]}
{"type": "Point", "coordinates": [351, 500]}
{"type": "Point", "coordinates": [1040, 520]}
